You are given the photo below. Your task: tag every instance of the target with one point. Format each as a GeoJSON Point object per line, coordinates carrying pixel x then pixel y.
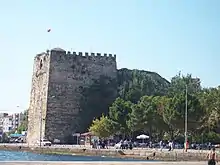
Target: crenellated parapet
{"type": "Point", "coordinates": [83, 54]}
{"type": "Point", "coordinates": [98, 55]}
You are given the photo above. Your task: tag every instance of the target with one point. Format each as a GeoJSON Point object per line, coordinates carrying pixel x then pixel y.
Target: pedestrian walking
{"type": "Point", "coordinates": [161, 145]}
{"type": "Point", "coordinates": [170, 145]}
{"type": "Point", "coordinates": [212, 157]}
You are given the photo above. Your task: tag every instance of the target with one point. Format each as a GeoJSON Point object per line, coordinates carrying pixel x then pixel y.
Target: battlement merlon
{"type": "Point", "coordinates": [85, 54]}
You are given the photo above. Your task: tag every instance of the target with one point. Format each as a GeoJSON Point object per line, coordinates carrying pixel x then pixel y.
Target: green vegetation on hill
{"type": "Point", "coordinates": [157, 108]}
{"type": "Point", "coordinates": [133, 84]}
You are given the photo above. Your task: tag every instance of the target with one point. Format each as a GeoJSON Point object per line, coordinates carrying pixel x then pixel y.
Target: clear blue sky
{"type": "Point", "coordinates": [165, 36]}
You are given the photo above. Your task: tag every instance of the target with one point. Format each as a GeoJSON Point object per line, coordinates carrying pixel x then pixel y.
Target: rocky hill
{"type": "Point", "coordinates": [132, 84]}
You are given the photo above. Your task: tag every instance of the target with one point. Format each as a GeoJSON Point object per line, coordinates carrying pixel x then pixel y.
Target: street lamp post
{"type": "Point", "coordinates": [186, 120]}
{"type": "Point", "coordinates": [19, 116]}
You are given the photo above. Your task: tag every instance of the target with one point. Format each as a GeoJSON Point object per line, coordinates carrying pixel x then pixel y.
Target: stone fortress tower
{"type": "Point", "coordinates": [57, 78]}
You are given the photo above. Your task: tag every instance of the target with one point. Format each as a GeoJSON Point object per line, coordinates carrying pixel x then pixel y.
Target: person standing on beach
{"type": "Point", "coordinates": [212, 157]}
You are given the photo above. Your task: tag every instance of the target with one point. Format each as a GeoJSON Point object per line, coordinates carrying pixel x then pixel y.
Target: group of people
{"type": "Point", "coordinates": [125, 144]}
{"type": "Point", "coordinates": [100, 144]}
{"type": "Point", "coordinates": [170, 145]}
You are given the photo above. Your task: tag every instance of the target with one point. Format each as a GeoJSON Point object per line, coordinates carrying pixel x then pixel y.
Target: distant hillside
{"type": "Point", "coordinates": [132, 84]}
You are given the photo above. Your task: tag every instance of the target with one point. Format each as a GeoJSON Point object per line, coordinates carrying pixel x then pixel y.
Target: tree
{"type": "Point", "coordinates": [194, 110]}
{"type": "Point", "coordinates": [101, 127]}
{"type": "Point", "coordinates": [119, 114]}
{"type": "Point", "coordinates": [137, 119]}
{"type": "Point", "coordinates": [169, 115]}
{"type": "Point", "coordinates": [24, 122]}
{"type": "Point", "coordinates": [179, 82]}
{"type": "Point", "coordinates": [154, 122]}
{"type": "Point", "coordinates": [209, 99]}
{"type": "Point", "coordinates": [145, 117]}
{"type": "Point", "coordinates": [177, 92]}
{"type": "Point", "coordinates": [133, 94]}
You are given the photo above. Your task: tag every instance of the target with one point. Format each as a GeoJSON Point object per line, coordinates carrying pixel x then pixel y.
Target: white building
{"type": "Point", "coordinates": [2, 116]}
{"type": "Point", "coordinates": [10, 122]}
{"type": "Point", "coordinates": [16, 120]}
{"type": "Point", "coordinates": [7, 124]}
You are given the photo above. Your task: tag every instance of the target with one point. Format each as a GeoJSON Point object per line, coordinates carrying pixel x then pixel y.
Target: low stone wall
{"type": "Point", "coordinates": [136, 154]}
{"type": "Point", "coordinates": [168, 156]}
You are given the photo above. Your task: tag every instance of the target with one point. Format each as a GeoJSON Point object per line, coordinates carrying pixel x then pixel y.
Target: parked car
{"type": "Point", "coordinates": [56, 141]}
{"type": "Point", "coordinates": [21, 139]}
{"type": "Point", "coordinates": [44, 142]}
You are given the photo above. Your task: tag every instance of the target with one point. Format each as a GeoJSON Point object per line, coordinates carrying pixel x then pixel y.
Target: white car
{"type": "Point", "coordinates": [44, 142]}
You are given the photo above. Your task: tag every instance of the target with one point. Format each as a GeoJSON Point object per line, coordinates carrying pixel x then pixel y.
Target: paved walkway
{"type": "Point", "coordinates": [111, 148]}
{"type": "Point", "coordinates": [106, 163]}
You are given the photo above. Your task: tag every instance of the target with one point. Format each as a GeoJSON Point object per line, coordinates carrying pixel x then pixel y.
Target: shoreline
{"type": "Point", "coordinates": [140, 154]}
{"type": "Point", "coordinates": [95, 162]}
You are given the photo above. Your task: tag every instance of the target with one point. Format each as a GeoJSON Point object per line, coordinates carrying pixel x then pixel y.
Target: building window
{"type": "Point", "coordinates": [41, 64]}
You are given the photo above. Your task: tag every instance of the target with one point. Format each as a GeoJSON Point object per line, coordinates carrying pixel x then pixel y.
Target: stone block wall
{"type": "Point", "coordinates": [38, 100]}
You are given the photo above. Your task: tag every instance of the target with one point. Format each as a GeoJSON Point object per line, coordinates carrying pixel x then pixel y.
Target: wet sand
{"type": "Point", "coordinates": [106, 163]}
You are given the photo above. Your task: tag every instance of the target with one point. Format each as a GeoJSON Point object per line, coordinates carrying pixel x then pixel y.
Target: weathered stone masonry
{"type": "Point", "coordinates": [57, 79]}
